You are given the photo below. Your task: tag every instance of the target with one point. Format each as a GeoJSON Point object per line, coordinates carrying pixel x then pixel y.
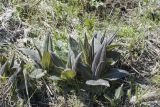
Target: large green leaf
{"type": "Point", "coordinates": [102, 63]}
{"type": "Point", "coordinates": [37, 73]}
{"type": "Point", "coordinates": [99, 82]}
{"type": "Point", "coordinates": [68, 74]}
{"type": "Point", "coordinates": [116, 74]}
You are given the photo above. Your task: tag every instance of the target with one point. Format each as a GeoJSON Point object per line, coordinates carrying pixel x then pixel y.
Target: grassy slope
{"type": "Point", "coordinates": [136, 31]}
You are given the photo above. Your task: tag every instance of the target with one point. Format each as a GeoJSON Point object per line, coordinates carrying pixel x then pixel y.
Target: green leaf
{"type": "Point", "coordinates": [102, 63]}
{"type": "Point", "coordinates": [96, 60]}
{"type": "Point", "coordinates": [116, 74]}
{"type": "Point", "coordinates": [91, 51]}
{"type": "Point", "coordinates": [32, 54]}
{"type": "Point", "coordinates": [68, 74]}
{"type": "Point", "coordinates": [86, 43]}
{"type": "Point", "coordinates": [56, 60]}
{"type": "Point", "coordinates": [86, 47]}
{"type": "Point", "coordinates": [69, 63]}
{"type": "Point", "coordinates": [81, 46]}
{"type": "Point", "coordinates": [73, 45]}
{"type": "Point", "coordinates": [50, 47]}
{"type": "Point", "coordinates": [99, 82]}
{"type": "Point", "coordinates": [84, 71]}
{"type": "Point", "coordinates": [92, 45]}
{"type": "Point", "coordinates": [77, 60]}
{"type": "Point", "coordinates": [72, 56]}
{"type": "Point", "coordinates": [37, 73]}
{"type": "Point", "coordinates": [97, 43]}
{"type": "Point", "coordinates": [99, 69]}
{"type": "Point", "coordinates": [46, 44]}
{"type": "Point", "coordinates": [46, 60]}
{"type": "Point", "coordinates": [119, 92]}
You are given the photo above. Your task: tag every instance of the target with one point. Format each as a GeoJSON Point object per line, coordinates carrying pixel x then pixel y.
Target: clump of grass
{"type": "Point", "coordinates": [156, 79]}
{"type": "Point", "coordinates": [127, 31]}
